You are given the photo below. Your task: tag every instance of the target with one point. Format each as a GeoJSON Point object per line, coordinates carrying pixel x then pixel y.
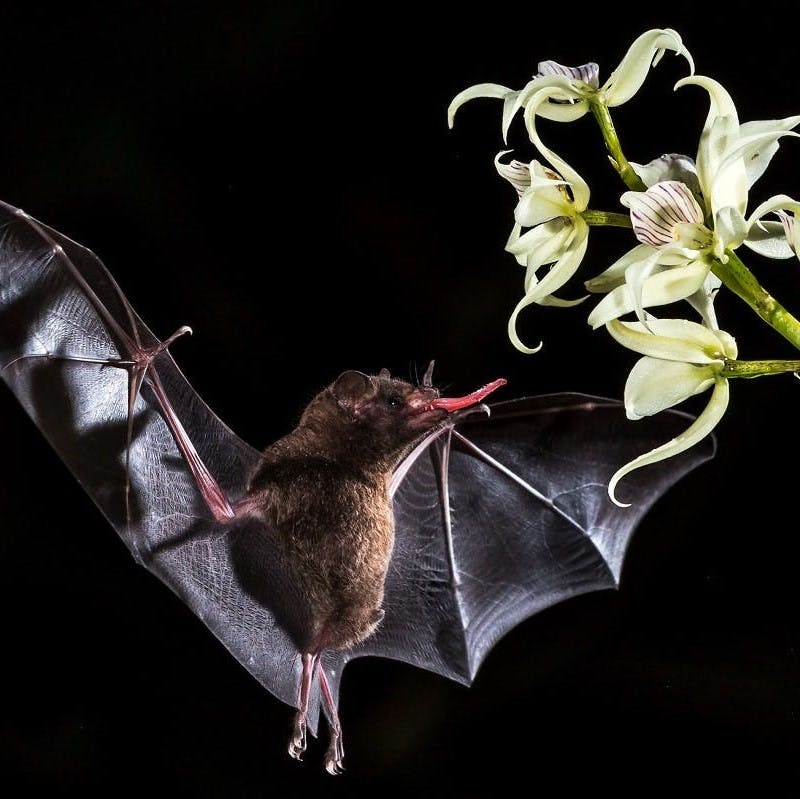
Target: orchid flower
{"type": "Point", "coordinates": [552, 208]}
{"type": "Point", "coordinates": [681, 359]}
{"type": "Point", "coordinates": [677, 232]}
{"type": "Point", "coordinates": [566, 93]}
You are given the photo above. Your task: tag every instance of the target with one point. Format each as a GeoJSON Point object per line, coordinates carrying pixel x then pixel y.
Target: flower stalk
{"type": "Point", "coordinates": [742, 282]}
{"type": "Point", "coordinates": [750, 369]}
{"type": "Point", "coordinates": [602, 114]}
{"type": "Point", "coordinates": [607, 218]}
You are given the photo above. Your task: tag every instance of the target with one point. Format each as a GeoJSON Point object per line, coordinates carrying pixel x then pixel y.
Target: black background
{"type": "Point", "coordinates": [280, 177]}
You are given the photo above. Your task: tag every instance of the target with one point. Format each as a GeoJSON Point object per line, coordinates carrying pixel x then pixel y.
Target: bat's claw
{"type": "Point", "coordinates": [297, 743]}
{"type": "Point", "coordinates": [334, 757]}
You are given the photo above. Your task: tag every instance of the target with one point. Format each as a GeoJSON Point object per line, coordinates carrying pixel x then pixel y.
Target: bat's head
{"type": "Point", "coordinates": [381, 414]}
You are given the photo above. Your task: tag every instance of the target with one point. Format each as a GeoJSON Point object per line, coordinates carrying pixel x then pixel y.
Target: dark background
{"type": "Point", "coordinates": [280, 177]}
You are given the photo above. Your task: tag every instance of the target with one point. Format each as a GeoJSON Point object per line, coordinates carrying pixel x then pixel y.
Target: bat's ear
{"type": "Point", "coordinates": [350, 388]}
{"type": "Point", "coordinates": [427, 378]}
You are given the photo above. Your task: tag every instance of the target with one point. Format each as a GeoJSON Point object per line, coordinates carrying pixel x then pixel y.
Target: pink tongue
{"type": "Point", "coordinates": [450, 404]}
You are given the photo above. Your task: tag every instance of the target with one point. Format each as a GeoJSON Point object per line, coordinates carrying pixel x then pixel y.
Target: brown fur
{"type": "Point", "coordinates": [324, 489]}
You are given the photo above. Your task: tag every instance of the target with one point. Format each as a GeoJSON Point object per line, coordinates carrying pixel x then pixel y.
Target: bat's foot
{"type": "Point", "coordinates": [334, 757]}
{"type": "Point", "coordinates": [297, 743]}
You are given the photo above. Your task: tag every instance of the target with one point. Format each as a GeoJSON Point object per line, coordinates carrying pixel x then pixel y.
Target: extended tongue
{"type": "Point", "coordinates": [451, 404]}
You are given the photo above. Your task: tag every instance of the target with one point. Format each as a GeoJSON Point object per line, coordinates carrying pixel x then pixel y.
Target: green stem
{"type": "Point", "coordinates": [609, 218]}
{"type": "Point", "coordinates": [758, 368]}
{"type": "Point", "coordinates": [742, 282]}
{"type": "Point", "coordinates": [618, 159]}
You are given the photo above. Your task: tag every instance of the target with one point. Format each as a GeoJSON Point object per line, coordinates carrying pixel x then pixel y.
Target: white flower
{"type": "Point", "coordinates": [551, 206]}
{"type": "Point", "coordinates": [565, 93]}
{"type": "Point", "coordinates": [681, 359]}
{"type": "Point", "coordinates": [685, 224]}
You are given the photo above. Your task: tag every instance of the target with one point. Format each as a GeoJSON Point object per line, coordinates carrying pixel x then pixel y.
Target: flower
{"type": "Point", "coordinates": [565, 93]}
{"type": "Point", "coordinates": [690, 217]}
{"type": "Point", "coordinates": [551, 206]}
{"type": "Point", "coordinates": [681, 359]}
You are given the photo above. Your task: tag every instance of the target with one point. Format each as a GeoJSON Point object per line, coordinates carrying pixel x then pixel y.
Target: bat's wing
{"type": "Point", "coordinates": [499, 518]}
{"type": "Point", "coordinates": [69, 344]}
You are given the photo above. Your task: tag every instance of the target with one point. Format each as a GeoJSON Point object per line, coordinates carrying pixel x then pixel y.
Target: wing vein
{"type": "Point", "coordinates": [496, 464]}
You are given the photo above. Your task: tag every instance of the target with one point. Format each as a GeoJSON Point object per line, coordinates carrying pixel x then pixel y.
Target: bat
{"type": "Point", "coordinates": [391, 521]}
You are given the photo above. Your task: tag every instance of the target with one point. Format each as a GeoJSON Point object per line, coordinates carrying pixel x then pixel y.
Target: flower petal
{"type": "Point", "coordinates": [615, 274]}
{"type": "Point", "coordinates": [544, 200]}
{"type": "Point", "coordinates": [586, 73]}
{"type": "Point", "coordinates": [512, 328]}
{"type": "Point", "coordinates": [567, 265]}
{"type": "Point", "coordinates": [646, 51]}
{"type": "Point", "coordinates": [756, 159]}
{"type": "Point", "coordinates": [543, 244]}
{"type": "Point", "coordinates": [494, 90]}
{"type": "Point", "coordinates": [515, 172]}
{"type": "Point", "coordinates": [670, 166]}
{"type": "Point", "coordinates": [668, 286]}
{"type": "Point", "coordinates": [671, 340]}
{"type": "Point", "coordinates": [731, 229]}
{"type": "Point", "coordinates": [790, 229]}
{"type": "Point", "coordinates": [557, 97]}
{"type": "Point", "coordinates": [703, 301]}
{"type": "Point", "coordinates": [697, 431]}
{"type": "Point", "coordinates": [579, 187]}
{"type": "Point", "coordinates": [655, 384]}
{"type": "Point", "coordinates": [656, 213]}
{"type": "Point", "coordinates": [558, 302]}
{"type": "Point", "coordinates": [720, 130]}
{"type": "Point", "coordinates": [635, 277]}
{"type": "Point", "coordinates": [770, 238]}
{"type": "Point", "coordinates": [541, 291]}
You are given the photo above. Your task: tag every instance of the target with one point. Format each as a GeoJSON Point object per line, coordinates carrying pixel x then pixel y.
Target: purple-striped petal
{"type": "Point", "coordinates": [586, 73]}
{"type": "Point", "coordinates": [787, 220]}
{"type": "Point", "coordinates": [657, 212]}
{"type": "Point", "coordinates": [515, 172]}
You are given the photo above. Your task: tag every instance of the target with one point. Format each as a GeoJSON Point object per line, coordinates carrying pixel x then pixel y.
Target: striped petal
{"type": "Point", "coordinates": [515, 172]}
{"type": "Point", "coordinates": [586, 73]}
{"type": "Point", "coordinates": [697, 431]}
{"type": "Point", "coordinates": [657, 212]}
{"type": "Point", "coordinates": [791, 231]}
{"type": "Point", "coordinates": [646, 51]}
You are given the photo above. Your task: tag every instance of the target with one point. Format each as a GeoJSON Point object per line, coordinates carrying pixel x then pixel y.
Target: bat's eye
{"type": "Point", "coordinates": [394, 401]}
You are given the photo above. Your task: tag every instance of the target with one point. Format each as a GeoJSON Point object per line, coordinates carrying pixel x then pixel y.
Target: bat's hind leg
{"type": "Point", "coordinates": [297, 743]}
{"type": "Point", "coordinates": [334, 757]}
